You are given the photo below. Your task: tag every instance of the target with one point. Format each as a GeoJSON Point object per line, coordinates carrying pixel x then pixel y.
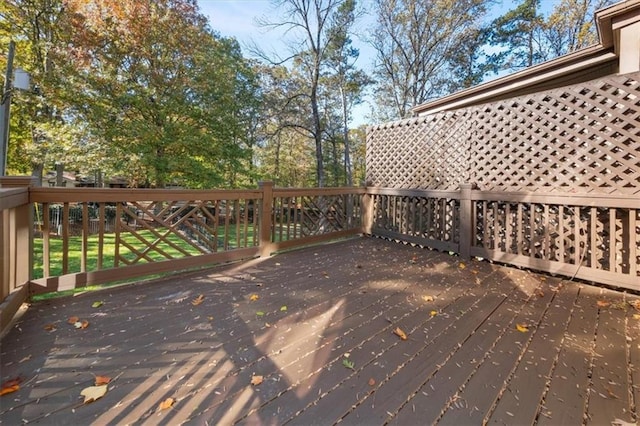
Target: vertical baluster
{"type": "Point", "coordinates": [547, 232]}
{"type": "Point", "coordinates": [101, 224]}
{"type": "Point", "coordinates": [593, 240]}
{"type": "Point", "coordinates": [65, 238]}
{"type": "Point", "coordinates": [613, 246]}
{"type": "Point", "coordinates": [520, 234]}
{"type": "Point", "coordinates": [46, 246]}
{"type": "Point", "coordinates": [561, 256]}
{"type": "Point", "coordinates": [633, 254]}
{"type": "Point", "coordinates": [85, 237]}
{"type": "Point", "coordinates": [576, 235]}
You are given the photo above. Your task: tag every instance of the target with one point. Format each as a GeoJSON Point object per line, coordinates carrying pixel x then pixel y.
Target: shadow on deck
{"type": "Point", "coordinates": [318, 326]}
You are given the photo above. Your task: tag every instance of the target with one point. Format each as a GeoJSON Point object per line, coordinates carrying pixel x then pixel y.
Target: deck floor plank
{"type": "Point", "coordinates": [568, 388]}
{"type": "Point", "coordinates": [315, 306]}
{"type": "Point", "coordinates": [521, 402]}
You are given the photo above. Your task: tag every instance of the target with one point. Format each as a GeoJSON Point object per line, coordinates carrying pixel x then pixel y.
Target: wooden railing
{"type": "Point", "coordinates": [64, 238]}
{"type": "Point", "coordinates": [593, 237]}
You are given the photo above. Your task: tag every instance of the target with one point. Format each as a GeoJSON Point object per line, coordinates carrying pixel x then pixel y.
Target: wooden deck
{"type": "Point", "coordinates": [318, 326]}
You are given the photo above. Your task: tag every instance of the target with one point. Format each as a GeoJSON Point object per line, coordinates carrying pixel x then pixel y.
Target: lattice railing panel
{"type": "Point", "coordinates": [422, 152]}
{"type": "Point", "coordinates": [582, 138]}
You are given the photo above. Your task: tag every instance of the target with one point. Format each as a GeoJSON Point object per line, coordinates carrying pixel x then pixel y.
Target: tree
{"type": "Point", "coordinates": [571, 27]}
{"type": "Point", "coordinates": [349, 81]}
{"type": "Point", "coordinates": [310, 21]}
{"type": "Point", "coordinates": [413, 40]}
{"type": "Point", "coordinates": [161, 89]}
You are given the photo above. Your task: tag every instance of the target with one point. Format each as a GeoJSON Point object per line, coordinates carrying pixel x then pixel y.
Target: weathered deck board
{"type": "Point", "coordinates": [465, 364]}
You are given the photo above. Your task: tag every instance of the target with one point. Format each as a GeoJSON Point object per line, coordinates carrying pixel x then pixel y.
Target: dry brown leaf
{"type": "Point", "coordinates": [433, 313]}
{"type": "Point", "coordinates": [462, 265]}
{"type": "Point", "coordinates": [93, 393]}
{"type": "Point", "coordinates": [636, 316]}
{"type": "Point", "coordinates": [602, 303]}
{"type": "Point", "coordinates": [102, 380]}
{"type": "Point", "coordinates": [635, 304]}
{"type": "Point", "coordinates": [401, 334]}
{"type": "Point", "coordinates": [81, 324]}
{"type": "Point", "coordinates": [540, 293]}
{"type": "Point", "coordinates": [198, 300]}
{"type": "Point", "coordinates": [50, 327]}
{"type": "Point", "coordinates": [256, 380]}
{"type": "Point", "coordinates": [166, 404]}
{"type": "Point", "coordinates": [427, 298]}
{"type": "Point", "coordinates": [475, 271]}
{"type": "Point", "coordinates": [522, 328]}
{"type": "Point", "coordinates": [372, 382]}
{"type": "Point", "coordinates": [73, 320]}
{"type": "Point", "coordinates": [254, 297]}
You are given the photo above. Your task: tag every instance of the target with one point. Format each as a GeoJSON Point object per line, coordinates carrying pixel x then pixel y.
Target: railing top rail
{"type": "Point", "coordinates": [53, 195]}
{"type": "Point", "coordinates": [574, 199]}
{"type": "Point", "coordinates": [13, 197]}
{"type": "Point", "coordinates": [429, 193]}
{"type": "Point", "coordinates": [294, 192]}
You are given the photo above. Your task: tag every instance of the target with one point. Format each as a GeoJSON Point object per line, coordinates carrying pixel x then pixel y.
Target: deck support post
{"type": "Point", "coordinates": [16, 251]}
{"type": "Point", "coordinates": [265, 218]}
{"type": "Point", "coordinates": [466, 220]}
{"type": "Point", "coordinates": [367, 212]}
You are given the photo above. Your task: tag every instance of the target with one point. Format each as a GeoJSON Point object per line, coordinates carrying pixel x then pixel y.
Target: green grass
{"type": "Point", "coordinates": [108, 256]}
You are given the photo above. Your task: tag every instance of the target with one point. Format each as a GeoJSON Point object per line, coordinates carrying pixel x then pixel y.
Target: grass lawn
{"type": "Point", "coordinates": [108, 249]}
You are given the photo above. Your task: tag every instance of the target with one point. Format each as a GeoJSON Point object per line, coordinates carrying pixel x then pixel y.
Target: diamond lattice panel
{"type": "Point", "coordinates": [582, 138]}
{"type": "Point", "coordinates": [424, 152]}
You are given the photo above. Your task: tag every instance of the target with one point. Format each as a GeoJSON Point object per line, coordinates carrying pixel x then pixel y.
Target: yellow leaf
{"type": "Point", "coordinates": [636, 316]}
{"type": "Point", "coordinates": [256, 380]}
{"type": "Point", "coordinates": [254, 297]}
{"type": "Point", "coordinates": [9, 389]}
{"type": "Point", "coordinates": [93, 393]}
{"type": "Point", "coordinates": [603, 303]}
{"type": "Point", "coordinates": [102, 380]}
{"type": "Point", "coordinates": [198, 300]}
{"type": "Point", "coordinates": [166, 404]}
{"type": "Point", "coordinates": [427, 298]}
{"type": "Point", "coordinates": [401, 334]}
{"type": "Point", "coordinates": [462, 265]}
{"type": "Point", "coordinates": [522, 328]}
{"type": "Point", "coordinates": [433, 313]}
{"type": "Point", "coordinates": [283, 308]}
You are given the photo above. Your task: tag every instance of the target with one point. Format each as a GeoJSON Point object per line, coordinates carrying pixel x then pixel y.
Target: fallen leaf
{"type": "Point", "coordinates": [543, 279]}
{"type": "Point", "coordinates": [10, 386]}
{"type": "Point", "coordinates": [462, 265]}
{"type": "Point", "coordinates": [259, 313]}
{"type": "Point", "coordinates": [635, 304]}
{"type": "Point", "coordinates": [348, 363]}
{"type": "Point", "coordinates": [97, 304]}
{"type": "Point", "coordinates": [93, 393]}
{"type": "Point", "coordinates": [602, 303]}
{"type": "Point", "coordinates": [25, 359]}
{"type": "Point", "coordinates": [427, 298]}
{"type": "Point", "coordinates": [9, 389]}
{"type": "Point", "coordinates": [81, 324]}
{"type": "Point", "coordinates": [372, 382]}
{"type": "Point", "coordinates": [210, 318]}
{"type": "Point", "coordinates": [636, 316]}
{"type": "Point", "coordinates": [50, 327]}
{"type": "Point", "coordinates": [73, 320]}
{"type": "Point", "coordinates": [540, 293]}
{"type": "Point", "coordinates": [433, 313]}
{"type": "Point", "coordinates": [166, 404]}
{"type": "Point", "coordinates": [283, 309]}
{"type": "Point", "coordinates": [266, 324]}
{"type": "Point", "coordinates": [401, 334]}
{"type": "Point", "coordinates": [102, 380]}
{"type": "Point", "coordinates": [256, 380]}
{"type": "Point", "coordinates": [254, 297]}
{"type": "Point", "coordinates": [475, 271]}
{"type": "Point", "coordinates": [522, 328]}
{"type": "Point", "coordinates": [198, 300]}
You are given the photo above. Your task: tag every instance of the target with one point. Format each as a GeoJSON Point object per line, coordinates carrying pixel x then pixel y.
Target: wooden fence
{"type": "Point", "coordinates": [122, 234]}
{"type": "Point", "coordinates": [592, 237]}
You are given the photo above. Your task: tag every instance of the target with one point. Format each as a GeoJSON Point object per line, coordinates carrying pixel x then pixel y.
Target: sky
{"type": "Point", "coordinates": [237, 18]}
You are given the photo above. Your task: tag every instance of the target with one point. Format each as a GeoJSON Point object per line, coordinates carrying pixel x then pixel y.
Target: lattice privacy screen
{"type": "Point", "coordinates": [581, 138]}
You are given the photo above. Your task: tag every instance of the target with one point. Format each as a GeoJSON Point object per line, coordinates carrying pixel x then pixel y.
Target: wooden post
{"type": "Point", "coordinates": [264, 219]}
{"type": "Point", "coordinates": [367, 213]}
{"type": "Point", "coordinates": [466, 220]}
{"type": "Point", "coordinates": [16, 253]}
